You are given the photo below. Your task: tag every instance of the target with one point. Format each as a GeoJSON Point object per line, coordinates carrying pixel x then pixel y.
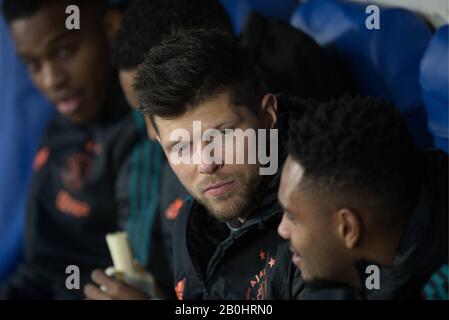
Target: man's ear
{"type": "Point", "coordinates": [152, 133]}
{"type": "Point", "coordinates": [269, 110]}
{"type": "Point", "coordinates": [350, 227]}
{"type": "Point", "coordinates": [112, 20]}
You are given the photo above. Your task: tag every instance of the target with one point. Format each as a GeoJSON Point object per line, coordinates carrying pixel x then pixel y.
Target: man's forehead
{"type": "Point", "coordinates": [209, 117]}
{"type": "Point", "coordinates": [47, 25]}
{"type": "Point", "coordinates": [291, 177]}
{"type": "Point", "coordinates": [39, 30]}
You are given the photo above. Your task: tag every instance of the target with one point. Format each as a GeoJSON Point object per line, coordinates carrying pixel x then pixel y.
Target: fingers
{"type": "Point", "coordinates": [101, 279]}
{"type": "Point", "coordinates": [94, 293]}
{"type": "Point", "coordinates": [114, 289]}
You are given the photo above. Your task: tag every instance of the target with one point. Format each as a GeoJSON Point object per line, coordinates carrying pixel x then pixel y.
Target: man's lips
{"type": "Point", "coordinates": [69, 104]}
{"type": "Point", "coordinates": [296, 258]}
{"type": "Point", "coordinates": [218, 188]}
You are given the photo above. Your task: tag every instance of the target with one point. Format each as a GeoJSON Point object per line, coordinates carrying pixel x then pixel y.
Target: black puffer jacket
{"type": "Point", "coordinates": [211, 261]}
{"type": "Point", "coordinates": [424, 245]}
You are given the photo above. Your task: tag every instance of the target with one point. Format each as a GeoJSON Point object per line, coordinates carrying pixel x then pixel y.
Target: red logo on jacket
{"type": "Point", "coordinates": [40, 159]}
{"type": "Point", "coordinates": [257, 289]}
{"type": "Point", "coordinates": [172, 211]}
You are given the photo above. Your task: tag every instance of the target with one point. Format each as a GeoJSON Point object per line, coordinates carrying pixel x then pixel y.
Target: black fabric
{"type": "Point", "coordinates": [329, 291]}
{"type": "Point", "coordinates": [423, 248]}
{"type": "Point", "coordinates": [72, 202]}
{"type": "Point", "coordinates": [171, 196]}
{"type": "Point", "coordinates": [240, 266]}
{"type": "Point", "coordinates": [204, 243]}
{"type": "Point", "coordinates": [289, 61]}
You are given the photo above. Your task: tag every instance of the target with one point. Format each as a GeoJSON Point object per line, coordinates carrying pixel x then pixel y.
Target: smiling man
{"type": "Point", "coordinates": [224, 241]}
{"type": "Point", "coordinates": [359, 197]}
{"type": "Point", "coordinates": [72, 199]}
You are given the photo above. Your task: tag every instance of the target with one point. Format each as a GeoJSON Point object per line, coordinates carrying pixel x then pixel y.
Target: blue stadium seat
{"type": "Point", "coordinates": [275, 9]}
{"type": "Point", "coordinates": [239, 10]}
{"type": "Point", "coordinates": [23, 116]}
{"type": "Point", "coordinates": [435, 86]}
{"type": "Point", "coordinates": [385, 62]}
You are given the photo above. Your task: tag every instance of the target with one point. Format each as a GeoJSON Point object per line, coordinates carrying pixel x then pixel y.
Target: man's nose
{"type": "Point", "coordinates": [208, 163]}
{"type": "Point", "coordinates": [283, 230]}
{"type": "Point", "coordinates": [53, 76]}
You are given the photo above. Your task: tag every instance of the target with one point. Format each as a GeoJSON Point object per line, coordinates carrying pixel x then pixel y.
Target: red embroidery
{"type": "Point", "coordinates": [40, 159]}
{"type": "Point", "coordinates": [262, 255]}
{"type": "Point", "coordinates": [173, 209]}
{"type": "Point", "coordinates": [93, 147]}
{"type": "Point", "coordinates": [258, 289]}
{"type": "Point", "coordinates": [76, 170]}
{"type": "Point", "coordinates": [67, 204]}
{"type": "Point", "coordinates": [258, 284]}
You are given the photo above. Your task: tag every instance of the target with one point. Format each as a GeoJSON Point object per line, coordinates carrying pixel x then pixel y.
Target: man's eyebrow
{"type": "Point", "coordinates": [23, 56]}
{"type": "Point", "coordinates": [285, 208]}
{"type": "Point", "coordinates": [173, 143]}
{"type": "Point", "coordinates": [224, 125]}
{"type": "Point", "coordinates": [59, 37]}
{"type": "Point", "coordinates": [220, 126]}
{"type": "Point", "coordinates": [52, 42]}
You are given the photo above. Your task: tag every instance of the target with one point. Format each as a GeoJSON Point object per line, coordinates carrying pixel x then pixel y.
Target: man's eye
{"type": "Point", "coordinates": [65, 52]}
{"type": "Point", "coordinates": [290, 216]}
{"type": "Point", "coordinates": [32, 65]}
{"type": "Point", "coordinates": [184, 147]}
{"type": "Point", "coordinates": [227, 133]}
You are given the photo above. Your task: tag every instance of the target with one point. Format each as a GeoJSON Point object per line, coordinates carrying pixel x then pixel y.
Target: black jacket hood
{"type": "Point", "coordinates": [423, 247]}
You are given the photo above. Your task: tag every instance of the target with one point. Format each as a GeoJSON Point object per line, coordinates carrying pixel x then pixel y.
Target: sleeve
{"type": "Point", "coordinates": [25, 284]}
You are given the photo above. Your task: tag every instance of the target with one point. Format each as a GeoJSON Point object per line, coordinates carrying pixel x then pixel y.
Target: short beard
{"type": "Point", "coordinates": [236, 209]}
{"type": "Point", "coordinates": [241, 207]}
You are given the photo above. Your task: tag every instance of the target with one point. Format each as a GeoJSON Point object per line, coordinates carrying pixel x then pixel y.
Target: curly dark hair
{"type": "Point", "coordinates": [16, 9]}
{"type": "Point", "coordinates": [190, 67]}
{"type": "Point", "coordinates": [146, 23]}
{"type": "Point", "coordinates": [355, 146]}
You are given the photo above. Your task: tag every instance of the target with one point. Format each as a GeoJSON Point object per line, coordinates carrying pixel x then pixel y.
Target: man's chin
{"type": "Point", "coordinates": [223, 214]}
{"type": "Point", "coordinates": [224, 210]}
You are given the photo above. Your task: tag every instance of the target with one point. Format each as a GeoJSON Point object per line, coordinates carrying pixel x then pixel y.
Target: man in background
{"type": "Point", "coordinates": [72, 199]}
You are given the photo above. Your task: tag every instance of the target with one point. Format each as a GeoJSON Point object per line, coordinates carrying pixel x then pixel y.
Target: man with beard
{"type": "Point", "coordinates": [224, 240]}
{"type": "Point", "coordinates": [143, 26]}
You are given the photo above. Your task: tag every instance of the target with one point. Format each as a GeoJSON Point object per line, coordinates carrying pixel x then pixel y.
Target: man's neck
{"type": "Point", "coordinates": [383, 248]}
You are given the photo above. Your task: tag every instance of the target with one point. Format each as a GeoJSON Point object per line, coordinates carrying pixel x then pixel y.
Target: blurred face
{"type": "Point", "coordinates": [312, 229]}
{"type": "Point", "coordinates": [227, 191]}
{"type": "Point", "coordinates": [126, 82]}
{"type": "Point", "coordinates": [69, 66]}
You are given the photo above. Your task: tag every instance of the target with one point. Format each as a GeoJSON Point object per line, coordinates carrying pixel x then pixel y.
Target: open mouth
{"type": "Point", "coordinates": [68, 105]}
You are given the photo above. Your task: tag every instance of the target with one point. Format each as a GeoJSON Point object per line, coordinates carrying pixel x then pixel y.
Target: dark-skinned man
{"type": "Point", "coordinates": [366, 213]}
{"type": "Point", "coordinates": [72, 199]}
